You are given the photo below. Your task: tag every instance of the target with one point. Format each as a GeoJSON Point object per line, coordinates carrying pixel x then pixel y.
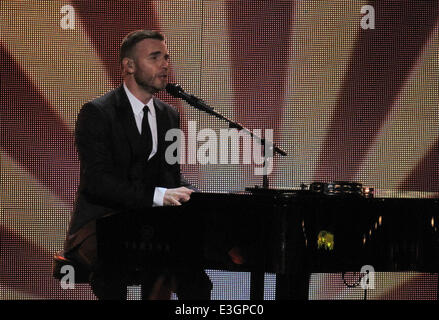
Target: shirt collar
{"type": "Point", "coordinates": [138, 105]}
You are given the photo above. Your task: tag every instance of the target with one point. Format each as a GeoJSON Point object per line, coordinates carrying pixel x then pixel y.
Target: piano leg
{"type": "Point", "coordinates": [292, 286]}
{"type": "Point", "coordinates": [257, 285]}
{"type": "Point", "coordinates": [292, 281]}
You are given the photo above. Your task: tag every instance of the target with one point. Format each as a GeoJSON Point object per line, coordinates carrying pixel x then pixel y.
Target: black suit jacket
{"type": "Point", "coordinates": [108, 143]}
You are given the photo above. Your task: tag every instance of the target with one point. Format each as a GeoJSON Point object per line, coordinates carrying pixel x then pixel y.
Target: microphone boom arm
{"type": "Point", "coordinates": [178, 92]}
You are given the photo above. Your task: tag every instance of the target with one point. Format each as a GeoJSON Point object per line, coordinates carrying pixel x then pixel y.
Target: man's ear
{"type": "Point", "coordinates": [128, 65]}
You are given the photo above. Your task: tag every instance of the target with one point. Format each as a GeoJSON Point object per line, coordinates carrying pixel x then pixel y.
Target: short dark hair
{"type": "Point", "coordinates": [134, 37]}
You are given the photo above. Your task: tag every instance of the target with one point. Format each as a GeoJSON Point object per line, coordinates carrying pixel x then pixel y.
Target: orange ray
{"type": "Point", "coordinates": [29, 209]}
{"type": "Point", "coordinates": [7, 293]}
{"type": "Point", "coordinates": [62, 63]}
{"type": "Point", "coordinates": [411, 128]}
{"type": "Point", "coordinates": [323, 38]}
{"type": "Point", "coordinates": [330, 286]}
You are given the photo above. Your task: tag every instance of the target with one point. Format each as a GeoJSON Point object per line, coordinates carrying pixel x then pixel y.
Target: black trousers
{"type": "Point", "coordinates": [111, 284]}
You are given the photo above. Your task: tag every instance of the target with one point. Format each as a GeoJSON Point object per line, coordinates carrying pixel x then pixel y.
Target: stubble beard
{"type": "Point", "coordinates": [146, 85]}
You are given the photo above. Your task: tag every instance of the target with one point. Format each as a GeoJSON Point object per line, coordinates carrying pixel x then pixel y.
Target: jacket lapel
{"type": "Point", "coordinates": [125, 114]}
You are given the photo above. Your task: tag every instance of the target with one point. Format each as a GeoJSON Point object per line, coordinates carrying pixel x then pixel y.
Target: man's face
{"type": "Point", "coordinates": [151, 62]}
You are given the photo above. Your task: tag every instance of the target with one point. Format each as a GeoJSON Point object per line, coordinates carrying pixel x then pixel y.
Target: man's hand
{"type": "Point", "coordinates": [174, 197]}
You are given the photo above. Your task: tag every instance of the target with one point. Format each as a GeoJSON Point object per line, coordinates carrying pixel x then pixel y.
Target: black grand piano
{"type": "Point", "coordinates": [279, 231]}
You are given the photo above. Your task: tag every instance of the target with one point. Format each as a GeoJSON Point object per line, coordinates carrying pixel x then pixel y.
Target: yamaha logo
{"type": "Point", "coordinates": [147, 232]}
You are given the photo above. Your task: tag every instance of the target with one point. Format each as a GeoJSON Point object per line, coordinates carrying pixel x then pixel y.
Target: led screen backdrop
{"type": "Point", "coordinates": [349, 87]}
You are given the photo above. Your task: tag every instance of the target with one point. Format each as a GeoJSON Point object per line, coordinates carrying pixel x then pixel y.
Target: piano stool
{"type": "Point", "coordinates": [82, 276]}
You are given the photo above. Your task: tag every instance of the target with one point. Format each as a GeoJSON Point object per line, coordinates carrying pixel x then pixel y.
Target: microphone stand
{"type": "Point", "coordinates": [257, 277]}
{"type": "Point", "coordinates": [265, 183]}
{"type": "Point", "coordinates": [203, 106]}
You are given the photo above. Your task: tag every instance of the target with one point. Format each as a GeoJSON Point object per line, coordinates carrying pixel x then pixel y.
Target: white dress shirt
{"type": "Point", "coordinates": [137, 107]}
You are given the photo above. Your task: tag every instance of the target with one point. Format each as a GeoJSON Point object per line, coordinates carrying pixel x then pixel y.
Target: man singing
{"type": "Point", "coordinates": [120, 138]}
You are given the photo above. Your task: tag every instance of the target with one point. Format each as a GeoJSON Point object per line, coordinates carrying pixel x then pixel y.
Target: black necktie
{"type": "Point", "coordinates": [146, 132]}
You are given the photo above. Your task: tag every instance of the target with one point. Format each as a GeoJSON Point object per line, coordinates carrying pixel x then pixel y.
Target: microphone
{"type": "Point", "coordinates": [177, 91]}
{"type": "Point", "coordinates": [174, 90]}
